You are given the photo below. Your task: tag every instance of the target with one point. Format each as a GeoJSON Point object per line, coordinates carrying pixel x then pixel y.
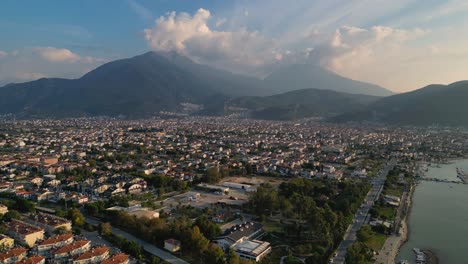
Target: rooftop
{"type": "Point", "coordinates": [12, 253]}
{"type": "Point", "coordinates": [31, 260]}
{"type": "Point", "coordinates": [56, 239]}
{"type": "Point", "coordinates": [116, 259]}
{"type": "Point", "coordinates": [252, 247]}
{"type": "Point", "coordinates": [48, 219]}
{"type": "Point", "coordinates": [98, 251]}
{"type": "Point", "coordinates": [22, 228]}
{"type": "Point", "coordinates": [75, 245]}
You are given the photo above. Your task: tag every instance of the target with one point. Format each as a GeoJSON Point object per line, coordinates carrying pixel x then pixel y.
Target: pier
{"type": "Point", "coordinates": [440, 180]}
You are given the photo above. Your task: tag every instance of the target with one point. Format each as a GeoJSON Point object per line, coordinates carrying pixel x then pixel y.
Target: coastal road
{"type": "Point", "coordinates": [164, 255]}
{"type": "Point", "coordinates": [361, 217]}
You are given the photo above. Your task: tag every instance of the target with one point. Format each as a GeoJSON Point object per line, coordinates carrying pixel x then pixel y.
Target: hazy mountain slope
{"type": "Point", "coordinates": [435, 104]}
{"type": "Point", "coordinates": [300, 104]}
{"type": "Point", "coordinates": [154, 82]}
{"type": "Point", "coordinates": [222, 81]}
{"type": "Point", "coordinates": [304, 76]}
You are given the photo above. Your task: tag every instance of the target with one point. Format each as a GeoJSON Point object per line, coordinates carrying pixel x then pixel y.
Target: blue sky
{"type": "Point", "coordinates": [399, 44]}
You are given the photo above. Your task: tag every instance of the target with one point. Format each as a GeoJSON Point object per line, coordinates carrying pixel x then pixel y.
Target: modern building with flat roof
{"type": "Point", "coordinates": [252, 249]}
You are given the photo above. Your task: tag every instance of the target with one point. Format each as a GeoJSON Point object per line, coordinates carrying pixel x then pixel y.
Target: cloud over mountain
{"type": "Point", "coordinates": [192, 35]}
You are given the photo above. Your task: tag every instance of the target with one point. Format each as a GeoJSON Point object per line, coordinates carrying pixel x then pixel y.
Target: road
{"type": "Point", "coordinates": [362, 215]}
{"type": "Point", "coordinates": [166, 256]}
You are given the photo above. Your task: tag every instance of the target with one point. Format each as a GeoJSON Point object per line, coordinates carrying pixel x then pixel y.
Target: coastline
{"type": "Point", "coordinates": [391, 248]}
{"type": "Point", "coordinates": [404, 229]}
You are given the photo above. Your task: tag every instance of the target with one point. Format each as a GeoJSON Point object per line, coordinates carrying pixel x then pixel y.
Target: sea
{"type": "Point", "coordinates": [439, 216]}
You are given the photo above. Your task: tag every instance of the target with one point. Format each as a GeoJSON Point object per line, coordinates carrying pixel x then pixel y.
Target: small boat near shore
{"type": "Point", "coordinates": [420, 256]}
{"type": "Point", "coordinates": [462, 175]}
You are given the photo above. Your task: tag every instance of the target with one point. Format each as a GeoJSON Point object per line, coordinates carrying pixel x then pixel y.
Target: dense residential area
{"type": "Point", "coordinates": [207, 189]}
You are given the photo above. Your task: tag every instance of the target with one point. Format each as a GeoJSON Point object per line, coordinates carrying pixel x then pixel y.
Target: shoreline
{"type": "Point", "coordinates": [404, 225]}
{"type": "Point", "coordinates": [404, 231]}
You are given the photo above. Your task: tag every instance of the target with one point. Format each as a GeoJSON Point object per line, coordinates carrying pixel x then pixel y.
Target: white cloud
{"type": "Point", "coordinates": [140, 10]}
{"type": "Point", "coordinates": [58, 55]}
{"type": "Point", "coordinates": [193, 37]}
{"type": "Point", "coordinates": [29, 64]}
{"type": "Point", "coordinates": [220, 22]}
{"type": "Point", "coordinates": [239, 51]}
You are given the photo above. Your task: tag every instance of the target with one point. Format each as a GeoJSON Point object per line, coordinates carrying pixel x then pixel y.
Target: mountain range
{"type": "Point", "coordinates": [443, 105]}
{"type": "Point", "coordinates": [147, 84]}
{"type": "Point", "coordinates": [153, 82]}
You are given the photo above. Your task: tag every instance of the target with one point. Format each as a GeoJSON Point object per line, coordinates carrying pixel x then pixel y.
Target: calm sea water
{"type": "Point", "coordinates": [439, 217]}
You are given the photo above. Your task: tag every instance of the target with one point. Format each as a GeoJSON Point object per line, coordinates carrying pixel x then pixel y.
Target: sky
{"type": "Point", "coordinates": [400, 44]}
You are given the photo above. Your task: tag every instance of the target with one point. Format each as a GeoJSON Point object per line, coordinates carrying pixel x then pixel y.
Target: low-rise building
{"type": "Point", "coordinates": [13, 255]}
{"type": "Point", "coordinates": [6, 242]}
{"type": "Point", "coordinates": [49, 222]}
{"type": "Point", "coordinates": [24, 233]}
{"type": "Point", "coordinates": [72, 250]}
{"type": "Point", "coordinates": [117, 259]}
{"type": "Point", "coordinates": [252, 249]}
{"type": "Point", "coordinates": [46, 246]}
{"type": "Point", "coordinates": [239, 233]}
{"type": "Point", "coordinates": [3, 209]}
{"type": "Point", "coordinates": [32, 260]}
{"type": "Point", "coordinates": [95, 255]}
{"type": "Point", "coordinates": [172, 245]}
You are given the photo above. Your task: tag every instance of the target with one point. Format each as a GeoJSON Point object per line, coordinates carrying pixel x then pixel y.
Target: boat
{"type": "Point", "coordinates": [462, 175]}
{"type": "Point", "coordinates": [403, 262]}
{"type": "Point", "coordinates": [420, 256]}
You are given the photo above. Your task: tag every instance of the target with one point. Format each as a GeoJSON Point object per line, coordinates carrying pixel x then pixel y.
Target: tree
{"type": "Point", "coordinates": [358, 253]}
{"type": "Point", "coordinates": [214, 254]}
{"type": "Point", "coordinates": [105, 229]}
{"type": "Point", "coordinates": [212, 175]}
{"type": "Point", "coordinates": [364, 234]}
{"type": "Point", "coordinates": [198, 241]}
{"type": "Point", "coordinates": [76, 217]}
{"type": "Point", "coordinates": [12, 214]}
{"type": "Point", "coordinates": [264, 199]}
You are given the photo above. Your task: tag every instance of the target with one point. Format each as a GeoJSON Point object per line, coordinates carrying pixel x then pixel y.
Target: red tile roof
{"type": "Point", "coordinates": [75, 245]}
{"type": "Point", "coordinates": [31, 260]}
{"type": "Point", "coordinates": [116, 259]}
{"type": "Point", "coordinates": [56, 239]}
{"type": "Point", "coordinates": [98, 251]}
{"type": "Point", "coordinates": [12, 253]}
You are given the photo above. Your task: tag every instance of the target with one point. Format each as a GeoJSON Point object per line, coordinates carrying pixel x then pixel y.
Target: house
{"type": "Point", "coordinates": [37, 181]}
{"type": "Point", "coordinates": [49, 222]}
{"type": "Point", "coordinates": [95, 255]}
{"type": "Point", "coordinates": [13, 255]}
{"type": "Point", "coordinates": [71, 250]}
{"type": "Point", "coordinates": [32, 260]}
{"type": "Point", "coordinates": [55, 242]}
{"type": "Point", "coordinates": [3, 209]}
{"type": "Point", "coordinates": [6, 242]}
{"type": "Point", "coordinates": [117, 259]}
{"type": "Point", "coordinates": [172, 245]}
{"type": "Point", "coordinates": [133, 188]}
{"type": "Point", "coordinates": [81, 199]}
{"type": "Point", "coordinates": [24, 233]}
